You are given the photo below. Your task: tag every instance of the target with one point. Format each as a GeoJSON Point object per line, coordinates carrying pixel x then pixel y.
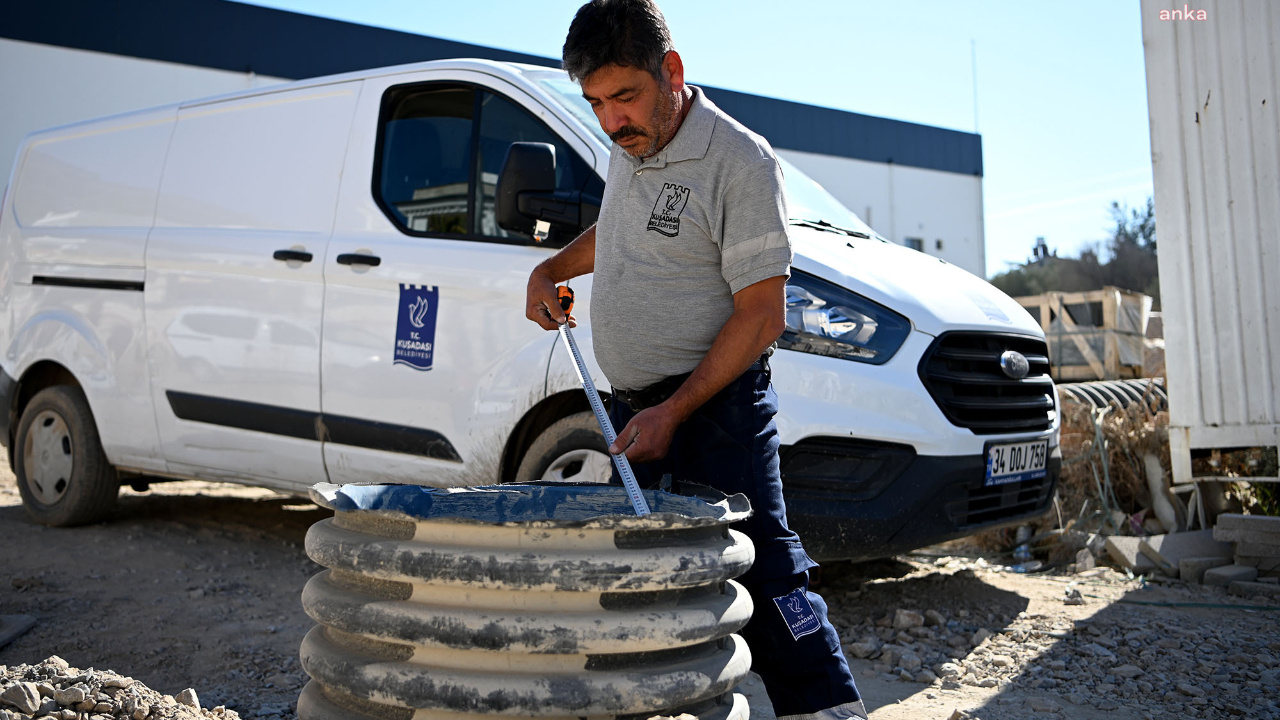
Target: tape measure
{"type": "Point", "coordinates": [565, 296]}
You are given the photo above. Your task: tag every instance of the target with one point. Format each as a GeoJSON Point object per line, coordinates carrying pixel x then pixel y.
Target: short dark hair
{"type": "Point", "coordinates": [630, 33]}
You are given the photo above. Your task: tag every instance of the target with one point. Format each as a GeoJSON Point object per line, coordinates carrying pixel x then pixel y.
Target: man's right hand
{"type": "Point", "coordinates": [541, 303]}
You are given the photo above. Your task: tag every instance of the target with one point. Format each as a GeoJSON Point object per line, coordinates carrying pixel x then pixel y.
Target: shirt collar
{"type": "Point", "coordinates": [692, 138]}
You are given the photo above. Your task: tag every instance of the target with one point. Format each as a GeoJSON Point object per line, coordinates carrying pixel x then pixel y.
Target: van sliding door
{"type": "Point", "coordinates": [235, 286]}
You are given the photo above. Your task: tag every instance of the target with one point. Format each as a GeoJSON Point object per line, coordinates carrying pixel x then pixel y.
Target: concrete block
{"type": "Point", "coordinates": [1266, 566]}
{"type": "Point", "coordinates": [1258, 550]}
{"type": "Point", "coordinates": [1227, 574]}
{"type": "Point", "coordinates": [1192, 569]}
{"type": "Point", "coordinates": [1250, 536]}
{"type": "Point", "coordinates": [1125, 552]}
{"type": "Point", "coordinates": [1254, 589]}
{"type": "Point", "coordinates": [1235, 521]}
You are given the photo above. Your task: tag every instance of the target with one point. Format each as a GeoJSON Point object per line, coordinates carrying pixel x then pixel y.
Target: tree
{"type": "Point", "coordinates": [1130, 261]}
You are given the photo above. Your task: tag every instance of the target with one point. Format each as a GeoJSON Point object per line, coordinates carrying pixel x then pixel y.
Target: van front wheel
{"type": "Point", "coordinates": [570, 450]}
{"type": "Point", "coordinates": [63, 475]}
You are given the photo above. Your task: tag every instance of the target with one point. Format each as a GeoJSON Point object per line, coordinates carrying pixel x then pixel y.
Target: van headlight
{"type": "Point", "coordinates": [826, 319]}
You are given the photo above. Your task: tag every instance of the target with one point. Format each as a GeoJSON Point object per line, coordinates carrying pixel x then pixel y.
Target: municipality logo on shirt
{"type": "Point", "coordinates": [667, 208]}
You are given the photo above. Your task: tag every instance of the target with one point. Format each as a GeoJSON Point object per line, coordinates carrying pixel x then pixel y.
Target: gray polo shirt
{"type": "Point", "coordinates": [679, 233]}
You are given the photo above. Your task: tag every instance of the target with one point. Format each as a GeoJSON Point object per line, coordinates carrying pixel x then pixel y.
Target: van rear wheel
{"type": "Point", "coordinates": [570, 450]}
{"type": "Point", "coordinates": [63, 475]}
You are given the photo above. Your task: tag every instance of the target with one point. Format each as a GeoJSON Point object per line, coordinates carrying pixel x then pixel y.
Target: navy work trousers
{"type": "Point", "coordinates": [731, 444]}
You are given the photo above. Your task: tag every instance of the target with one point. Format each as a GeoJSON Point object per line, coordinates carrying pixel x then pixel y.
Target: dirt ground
{"type": "Point", "coordinates": [197, 585]}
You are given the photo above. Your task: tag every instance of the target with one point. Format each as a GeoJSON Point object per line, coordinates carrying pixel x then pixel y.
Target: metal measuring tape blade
{"type": "Point", "coordinates": [593, 397]}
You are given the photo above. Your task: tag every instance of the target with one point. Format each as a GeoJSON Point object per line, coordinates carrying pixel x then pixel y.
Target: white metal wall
{"type": "Point", "coordinates": [42, 86]}
{"type": "Point", "coordinates": [907, 202]}
{"type": "Point", "coordinates": [1212, 90]}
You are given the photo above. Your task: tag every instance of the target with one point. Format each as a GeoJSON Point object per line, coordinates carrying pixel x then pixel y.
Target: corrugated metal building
{"type": "Point", "coordinates": [1212, 89]}
{"type": "Point", "coordinates": [68, 60]}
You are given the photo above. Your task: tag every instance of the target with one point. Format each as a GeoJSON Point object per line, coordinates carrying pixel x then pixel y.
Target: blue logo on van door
{"type": "Point", "coordinates": [416, 326]}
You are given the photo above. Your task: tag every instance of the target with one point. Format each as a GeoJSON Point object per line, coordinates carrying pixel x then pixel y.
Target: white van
{"type": "Point", "coordinates": [309, 283]}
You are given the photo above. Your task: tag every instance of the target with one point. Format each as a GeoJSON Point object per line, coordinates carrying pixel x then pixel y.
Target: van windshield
{"type": "Point", "coordinates": [806, 199]}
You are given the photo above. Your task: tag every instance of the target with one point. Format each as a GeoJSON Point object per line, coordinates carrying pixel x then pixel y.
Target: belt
{"type": "Point", "coordinates": [657, 393]}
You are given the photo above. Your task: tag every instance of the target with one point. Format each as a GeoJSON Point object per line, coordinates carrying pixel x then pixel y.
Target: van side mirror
{"type": "Point", "coordinates": [527, 193]}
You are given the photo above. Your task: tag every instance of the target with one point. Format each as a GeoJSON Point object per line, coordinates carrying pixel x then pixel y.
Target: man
{"type": "Point", "coordinates": [690, 258]}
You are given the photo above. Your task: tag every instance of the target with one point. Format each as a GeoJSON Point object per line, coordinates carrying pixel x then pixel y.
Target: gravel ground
{"type": "Point", "coordinates": [938, 635]}
{"type": "Point", "coordinates": [195, 586]}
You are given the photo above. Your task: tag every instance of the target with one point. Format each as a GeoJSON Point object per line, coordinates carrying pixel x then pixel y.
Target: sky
{"type": "Point", "coordinates": [1061, 99]}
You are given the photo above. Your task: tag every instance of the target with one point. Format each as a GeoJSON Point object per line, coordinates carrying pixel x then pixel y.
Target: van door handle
{"type": "Point", "coordinates": [299, 255]}
{"type": "Point", "coordinates": [359, 259]}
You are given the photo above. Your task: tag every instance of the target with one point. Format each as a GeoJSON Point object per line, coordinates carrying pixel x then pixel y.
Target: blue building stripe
{"type": "Point", "coordinates": [247, 38]}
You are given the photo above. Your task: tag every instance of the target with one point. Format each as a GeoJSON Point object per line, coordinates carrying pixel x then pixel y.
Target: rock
{"type": "Point", "coordinates": [86, 705]}
{"type": "Point", "coordinates": [960, 715]}
{"type": "Point", "coordinates": [981, 636]}
{"type": "Point", "coordinates": [933, 618]}
{"type": "Point", "coordinates": [1073, 597]}
{"type": "Point", "coordinates": [1189, 689]}
{"type": "Point", "coordinates": [23, 696]}
{"type": "Point", "coordinates": [188, 697]}
{"type": "Point", "coordinates": [926, 677]}
{"type": "Point", "coordinates": [889, 654]}
{"type": "Point", "coordinates": [903, 619]}
{"type": "Point", "coordinates": [948, 671]}
{"type": "Point", "coordinates": [988, 683]}
{"type": "Point", "coordinates": [863, 649]}
{"type": "Point", "coordinates": [104, 708]}
{"type": "Point", "coordinates": [141, 711]}
{"type": "Point", "coordinates": [1001, 661]}
{"type": "Point", "coordinates": [1085, 561]}
{"type": "Point", "coordinates": [1127, 672]}
{"type": "Point", "coordinates": [910, 661]}
{"type": "Point", "coordinates": [70, 696]}
{"type": "Point", "coordinates": [1042, 705]}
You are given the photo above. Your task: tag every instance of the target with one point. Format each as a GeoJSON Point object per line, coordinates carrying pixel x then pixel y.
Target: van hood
{"type": "Point", "coordinates": [933, 294]}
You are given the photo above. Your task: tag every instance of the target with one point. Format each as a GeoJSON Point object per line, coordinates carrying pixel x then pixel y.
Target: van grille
{"type": "Point", "coordinates": [985, 505]}
{"type": "Point", "coordinates": [962, 372]}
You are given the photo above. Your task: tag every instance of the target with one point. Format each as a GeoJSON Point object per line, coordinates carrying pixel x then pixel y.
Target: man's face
{"type": "Point", "coordinates": [635, 109]}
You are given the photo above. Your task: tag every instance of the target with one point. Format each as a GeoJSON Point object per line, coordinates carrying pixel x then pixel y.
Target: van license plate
{"type": "Point", "coordinates": [1015, 462]}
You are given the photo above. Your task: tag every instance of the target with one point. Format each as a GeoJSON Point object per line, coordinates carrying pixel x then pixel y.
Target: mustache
{"type": "Point", "coordinates": [627, 131]}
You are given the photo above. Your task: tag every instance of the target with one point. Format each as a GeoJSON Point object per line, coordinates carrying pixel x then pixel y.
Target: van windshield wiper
{"type": "Point", "coordinates": [828, 227]}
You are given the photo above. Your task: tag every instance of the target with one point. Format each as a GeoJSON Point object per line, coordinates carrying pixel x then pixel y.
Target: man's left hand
{"type": "Point", "coordinates": [648, 436]}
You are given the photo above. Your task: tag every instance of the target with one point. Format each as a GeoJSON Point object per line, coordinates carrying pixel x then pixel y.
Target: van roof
{"type": "Point", "coordinates": [497, 68]}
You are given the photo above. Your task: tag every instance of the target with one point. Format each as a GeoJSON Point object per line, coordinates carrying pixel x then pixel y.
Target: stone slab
{"type": "Point", "coordinates": [1235, 521]}
{"type": "Point", "coordinates": [1227, 574]}
{"type": "Point", "coordinates": [1260, 537]}
{"type": "Point", "coordinates": [14, 626]}
{"type": "Point", "coordinates": [1192, 569]}
{"type": "Point", "coordinates": [1167, 567]}
{"type": "Point", "coordinates": [1125, 552]}
{"type": "Point", "coordinates": [1254, 589]}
